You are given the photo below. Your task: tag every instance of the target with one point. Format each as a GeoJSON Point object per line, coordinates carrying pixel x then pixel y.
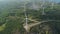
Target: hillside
{"type": "Point", "coordinates": [13, 19]}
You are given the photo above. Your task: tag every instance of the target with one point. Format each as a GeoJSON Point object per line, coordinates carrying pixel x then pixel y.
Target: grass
{"type": "Point", "coordinates": [2, 27]}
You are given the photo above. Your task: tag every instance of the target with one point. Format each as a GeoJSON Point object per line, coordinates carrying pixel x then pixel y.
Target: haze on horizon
{"type": "Point", "coordinates": [28, 0]}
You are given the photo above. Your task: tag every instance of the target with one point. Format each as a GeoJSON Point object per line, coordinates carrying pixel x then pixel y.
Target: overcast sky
{"type": "Point", "coordinates": [26, 0]}
{"type": "Point", "coordinates": [57, 0]}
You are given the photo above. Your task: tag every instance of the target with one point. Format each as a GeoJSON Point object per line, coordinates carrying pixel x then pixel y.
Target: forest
{"type": "Point", "coordinates": [40, 19]}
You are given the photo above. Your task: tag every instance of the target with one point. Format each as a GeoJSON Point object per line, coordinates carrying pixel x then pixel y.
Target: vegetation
{"type": "Point", "coordinates": [11, 20]}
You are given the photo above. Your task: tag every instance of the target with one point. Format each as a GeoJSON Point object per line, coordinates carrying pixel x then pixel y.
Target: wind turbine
{"type": "Point", "coordinates": [43, 7]}
{"type": "Point", "coordinates": [34, 5]}
{"type": "Point", "coordinates": [52, 4]}
{"type": "Point", "coordinates": [26, 19]}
